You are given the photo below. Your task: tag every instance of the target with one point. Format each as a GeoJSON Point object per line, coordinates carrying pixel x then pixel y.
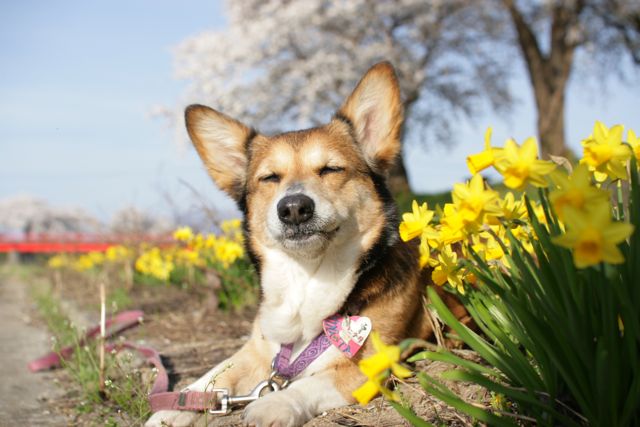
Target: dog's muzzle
{"type": "Point", "coordinates": [295, 209]}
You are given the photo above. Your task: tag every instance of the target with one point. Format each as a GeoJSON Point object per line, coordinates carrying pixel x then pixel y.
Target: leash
{"type": "Point", "coordinates": [217, 400]}
{"type": "Point", "coordinates": [281, 366]}
{"type": "Point", "coordinates": [113, 325]}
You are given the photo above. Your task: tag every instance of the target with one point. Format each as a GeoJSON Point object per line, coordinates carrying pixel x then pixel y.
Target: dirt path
{"type": "Point", "coordinates": [23, 395]}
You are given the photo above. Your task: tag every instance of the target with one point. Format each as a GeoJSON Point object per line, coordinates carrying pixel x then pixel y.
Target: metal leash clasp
{"type": "Point", "coordinates": [229, 402]}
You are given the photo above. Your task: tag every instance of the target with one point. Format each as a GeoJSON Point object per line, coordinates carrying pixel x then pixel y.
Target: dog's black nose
{"type": "Point", "coordinates": [295, 209]}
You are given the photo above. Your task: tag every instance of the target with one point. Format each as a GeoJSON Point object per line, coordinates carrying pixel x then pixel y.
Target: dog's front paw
{"type": "Point", "coordinates": [172, 419]}
{"type": "Point", "coordinates": [278, 409]}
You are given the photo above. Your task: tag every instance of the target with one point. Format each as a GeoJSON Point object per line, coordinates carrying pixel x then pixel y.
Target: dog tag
{"type": "Point", "coordinates": [347, 333]}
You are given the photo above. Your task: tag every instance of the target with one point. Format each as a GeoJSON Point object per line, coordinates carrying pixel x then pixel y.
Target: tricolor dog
{"type": "Point", "coordinates": [322, 230]}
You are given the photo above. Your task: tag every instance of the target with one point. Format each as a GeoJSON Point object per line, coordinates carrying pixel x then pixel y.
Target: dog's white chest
{"type": "Point", "coordinates": [299, 296]}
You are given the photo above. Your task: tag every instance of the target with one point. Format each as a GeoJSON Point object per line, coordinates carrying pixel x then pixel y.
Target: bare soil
{"type": "Point", "coordinates": [192, 335]}
{"type": "Point", "coordinates": [24, 396]}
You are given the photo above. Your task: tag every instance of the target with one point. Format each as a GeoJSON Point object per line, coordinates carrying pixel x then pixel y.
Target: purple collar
{"type": "Point", "coordinates": [291, 370]}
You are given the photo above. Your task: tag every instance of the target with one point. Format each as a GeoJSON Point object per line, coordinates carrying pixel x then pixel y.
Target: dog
{"type": "Point", "coordinates": [321, 228]}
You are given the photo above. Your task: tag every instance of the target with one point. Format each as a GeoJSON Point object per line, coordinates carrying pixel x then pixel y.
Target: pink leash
{"type": "Point", "coordinates": [159, 397]}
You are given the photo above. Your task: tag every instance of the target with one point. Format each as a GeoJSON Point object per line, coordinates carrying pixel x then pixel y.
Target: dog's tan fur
{"type": "Point", "coordinates": [353, 263]}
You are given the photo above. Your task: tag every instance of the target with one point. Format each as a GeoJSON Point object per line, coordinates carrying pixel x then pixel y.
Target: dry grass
{"type": "Point", "coordinates": [193, 335]}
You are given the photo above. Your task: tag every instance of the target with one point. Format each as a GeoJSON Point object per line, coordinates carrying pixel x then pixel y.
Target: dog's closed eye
{"type": "Point", "coordinates": [273, 177]}
{"type": "Point", "coordinates": [330, 169]}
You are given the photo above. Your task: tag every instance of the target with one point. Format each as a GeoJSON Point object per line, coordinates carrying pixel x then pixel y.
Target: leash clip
{"type": "Point", "coordinates": [229, 402]}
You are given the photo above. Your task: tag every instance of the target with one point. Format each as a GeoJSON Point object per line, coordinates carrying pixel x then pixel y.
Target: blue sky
{"type": "Point", "coordinates": [78, 80]}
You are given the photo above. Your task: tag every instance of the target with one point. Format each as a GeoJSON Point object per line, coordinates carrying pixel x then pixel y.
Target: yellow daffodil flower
{"type": "Point", "coordinates": [58, 261]}
{"type": "Point", "coordinates": [367, 391]}
{"type": "Point", "coordinates": [227, 251]}
{"type": "Point", "coordinates": [189, 257]}
{"type": "Point", "coordinates": [452, 225]}
{"type": "Point", "coordinates": [513, 209]}
{"type": "Point", "coordinates": [520, 165]}
{"type": "Point", "coordinates": [183, 234]}
{"type": "Point", "coordinates": [427, 242]}
{"type": "Point", "coordinates": [522, 235]}
{"type": "Point", "coordinates": [231, 227]}
{"type": "Point", "coordinates": [415, 222]}
{"type": "Point", "coordinates": [480, 161]}
{"type": "Point", "coordinates": [487, 247]}
{"type": "Point", "coordinates": [592, 236]}
{"type": "Point", "coordinates": [197, 242]}
{"type": "Point", "coordinates": [448, 270]}
{"type": "Point", "coordinates": [604, 152]}
{"type": "Point", "coordinates": [575, 190]}
{"type": "Point", "coordinates": [210, 241]}
{"type": "Point", "coordinates": [377, 367]}
{"type": "Point", "coordinates": [117, 253]}
{"type": "Point", "coordinates": [510, 210]}
{"type": "Point", "coordinates": [155, 264]}
{"type": "Point", "coordinates": [473, 201]}
{"type": "Point", "coordinates": [634, 142]}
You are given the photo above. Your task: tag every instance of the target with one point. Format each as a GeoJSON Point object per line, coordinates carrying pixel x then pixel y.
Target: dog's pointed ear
{"type": "Point", "coordinates": [221, 143]}
{"type": "Point", "coordinates": [374, 110]}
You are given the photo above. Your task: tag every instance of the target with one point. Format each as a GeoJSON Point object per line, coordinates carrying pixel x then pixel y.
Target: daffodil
{"type": "Point", "coordinates": [634, 142]}
{"type": "Point", "coordinates": [232, 228]}
{"type": "Point", "coordinates": [604, 152]}
{"type": "Point", "coordinates": [473, 201]}
{"type": "Point", "coordinates": [520, 165]}
{"type": "Point", "coordinates": [593, 236]}
{"type": "Point", "coordinates": [197, 242]}
{"type": "Point", "coordinates": [155, 264]}
{"type": "Point", "coordinates": [522, 235]}
{"type": "Point", "coordinates": [117, 253]}
{"type": "Point", "coordinates": [451, 225]}
{"type": "Point", "coordinates": [511, 210]}
{"type": "Point", "coordinates": [227, 251]}
{"type": "Point", "coordinates": [183, 234]}
{"type": "Point", "coordinates": [415, 222]}
{"type": "Point", "coordinates": [83, 263]}
{"type": "Point", "coordinates": [426, 244]}
{"type": "Point", "coordinates": [58, 261]}
{"type": "Point", "coordinates": [480, 161]}
{"type": "Point", "coordinates": [575, 190]}
{"type": "Point", "coordinates": [189, 257]}
{"type": "Point", "coordinates": [367, 391]}
{"type": "Point", "coordinates": [487, 247]}
{"type": "Point", "coordinates": [377, 367]}
{"type": "Point", "coordinates": [210, 241]}
{"type": "Point", "coordinates": [447, 270]}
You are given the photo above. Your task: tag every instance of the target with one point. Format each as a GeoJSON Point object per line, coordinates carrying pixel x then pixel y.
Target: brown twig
{"type": "Point", "coordinates": [103, 309]}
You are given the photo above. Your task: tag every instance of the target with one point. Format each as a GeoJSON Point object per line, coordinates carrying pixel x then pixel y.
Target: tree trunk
{"type": "Point", "coordinates": [398, 180]}
{"type": "Point", "coordinates": [550, 123]}
{"type": "Point", "coordinates": [549, 73]}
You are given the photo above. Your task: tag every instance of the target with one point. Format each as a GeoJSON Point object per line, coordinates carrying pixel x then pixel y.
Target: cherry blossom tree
{"type": "Point", "coordinates": [282, 64]}
{"type": "Point", "coordinates": [550, 35]}
{"type": "Point", "coordinates": [25, 215]}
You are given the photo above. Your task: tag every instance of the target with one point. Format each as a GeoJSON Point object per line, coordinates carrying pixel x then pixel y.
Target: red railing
{"type": "Point", "coordinates": [73, 243]}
